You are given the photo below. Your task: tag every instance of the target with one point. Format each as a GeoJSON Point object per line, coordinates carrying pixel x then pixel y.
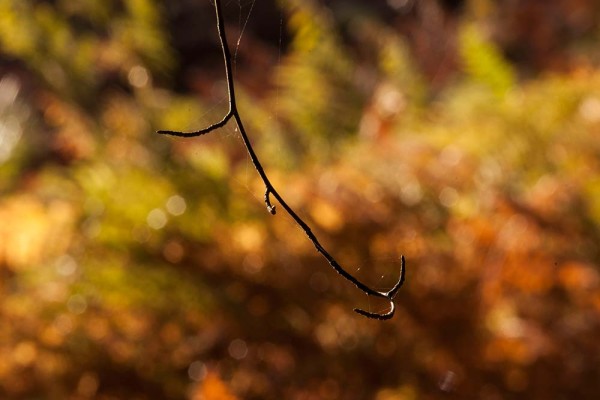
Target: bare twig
{"type": "Point", "coordinates": [270, 189]}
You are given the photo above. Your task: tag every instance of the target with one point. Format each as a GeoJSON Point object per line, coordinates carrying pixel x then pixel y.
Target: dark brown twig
{"type": "Point", "coordinates": [270, 190]}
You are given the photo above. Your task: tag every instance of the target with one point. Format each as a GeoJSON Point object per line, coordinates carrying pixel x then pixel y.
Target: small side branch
{"type": "Point", "coordinates": [270, 208]}
{"type": "Point", "coordinates": [201, 132]}
{"type": "Point", "coordinates": [270, 189]}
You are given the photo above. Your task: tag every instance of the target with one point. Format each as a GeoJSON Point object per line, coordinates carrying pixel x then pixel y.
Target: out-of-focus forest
{"type": "Point", "coordinates": [462, 134]}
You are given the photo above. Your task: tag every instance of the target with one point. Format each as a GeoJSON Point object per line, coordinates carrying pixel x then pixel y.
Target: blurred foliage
{"type": "Point", "coordinates": [483, 62]}
{"type": "Point", "coordinates": [138, 266]}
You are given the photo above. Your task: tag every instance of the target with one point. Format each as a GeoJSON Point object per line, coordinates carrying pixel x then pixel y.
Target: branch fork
{"type": "Point", "coordinates": [270, 189]}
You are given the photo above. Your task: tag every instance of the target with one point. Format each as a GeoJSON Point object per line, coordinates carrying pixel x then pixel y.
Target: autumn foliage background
{"type": "Point", "coordinates": [462, 134]}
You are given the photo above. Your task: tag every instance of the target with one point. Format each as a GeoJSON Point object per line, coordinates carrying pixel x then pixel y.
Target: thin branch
{"type": "Point", "coordinates": [270, 189]}
{"type": "Point", "coordinates": [204, 131]}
